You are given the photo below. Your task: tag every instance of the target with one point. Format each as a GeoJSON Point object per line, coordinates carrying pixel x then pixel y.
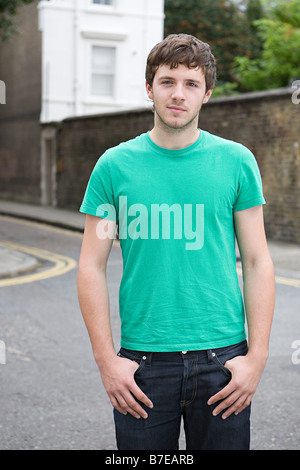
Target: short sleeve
{"type": "Point", "coordinates": [99, 198]}
{"type": "Point", "coordinates": [249, 188]}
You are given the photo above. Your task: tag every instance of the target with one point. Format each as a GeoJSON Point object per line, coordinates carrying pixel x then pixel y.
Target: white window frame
{"type": "Point", "coordinates": [111, 73]}
{"type": "Point", "coordinates": [101, 8]}
{"type": "Point", "coordinates": [102, 3]}
{"type": "Point", "coordinates": [90, 98]}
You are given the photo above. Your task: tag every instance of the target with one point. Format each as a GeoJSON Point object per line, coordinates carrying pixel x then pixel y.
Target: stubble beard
{"type": "Point", "coordinates": [175, 127]}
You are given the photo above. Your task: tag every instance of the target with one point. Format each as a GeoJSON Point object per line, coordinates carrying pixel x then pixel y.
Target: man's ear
{"type": "Point", "coordinates": [207, 96]}
{"type": "Point", "coordinates": [149, 91]}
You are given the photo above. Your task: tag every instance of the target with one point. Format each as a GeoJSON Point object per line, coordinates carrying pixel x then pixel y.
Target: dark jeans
{"type": "Point", "coordinates": [180, 384]}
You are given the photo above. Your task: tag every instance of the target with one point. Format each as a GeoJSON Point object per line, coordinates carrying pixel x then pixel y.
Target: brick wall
{"type": "Point", "coordinates": [81, 141]}
{"type": "Point", "coordinates": [266, 122]}
{"type": "Point", "coordinates": [20, 69]}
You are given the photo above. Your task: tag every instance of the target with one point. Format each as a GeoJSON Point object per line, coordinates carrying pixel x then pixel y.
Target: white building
{"type": "Point", "coordinates": [94, 54]}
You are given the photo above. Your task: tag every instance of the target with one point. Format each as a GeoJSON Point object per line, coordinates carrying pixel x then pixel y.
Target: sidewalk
{"type": "Point", "coordinates": [286, 256]}
{"type": "Point", "coordinates": [50, 215]}
{"type": "Point", "coordinates": [13, 262]}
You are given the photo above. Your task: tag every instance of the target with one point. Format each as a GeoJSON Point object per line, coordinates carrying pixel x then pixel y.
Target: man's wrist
{"type": "Point", "coordinates": [104, 358]}
{"type": "Point", "coordinates": [259, 355]}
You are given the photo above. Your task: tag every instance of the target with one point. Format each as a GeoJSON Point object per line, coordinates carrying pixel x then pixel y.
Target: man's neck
{"type": "Point", "coordinates": [174, 139]}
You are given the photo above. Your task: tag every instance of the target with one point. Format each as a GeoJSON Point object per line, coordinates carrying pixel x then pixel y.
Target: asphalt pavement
{"type": "Point", "coordinates": [276, 414]}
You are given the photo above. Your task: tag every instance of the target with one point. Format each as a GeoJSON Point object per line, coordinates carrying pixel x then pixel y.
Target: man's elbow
{"type": "Point", "coordinates": [259, 263]}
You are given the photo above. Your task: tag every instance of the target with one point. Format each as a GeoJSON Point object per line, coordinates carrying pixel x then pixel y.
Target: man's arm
{"type": "Point", "coordinates": [117, 373]}
{"type": "Point", "coordinates": [259, 299]}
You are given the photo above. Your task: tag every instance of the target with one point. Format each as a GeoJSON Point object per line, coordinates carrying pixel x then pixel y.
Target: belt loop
{"type": "Point", "coordinates": [149, 357]}
{"type": "Point", "coordinates": [209, 355]}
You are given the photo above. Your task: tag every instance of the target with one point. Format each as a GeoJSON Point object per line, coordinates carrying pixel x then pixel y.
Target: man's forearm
{"type": "Point", "coordinates": [117, 373]}
{"type": "Point", "coordinates": [259, 298]}
{"type": "Point", "coordinates": [94, 303]}
{"type": "Point", "coordinates": [259, 293]}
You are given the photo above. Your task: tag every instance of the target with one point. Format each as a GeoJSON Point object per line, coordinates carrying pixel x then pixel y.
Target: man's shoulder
{"type": "Point", "coordinates": [132, 145]}
{"type": "Point", "coordinates": [229, 150]}
{"type": "Point", "coordinates": [222, 142]}
{"type": "Point", "coordinates": [114, 156]}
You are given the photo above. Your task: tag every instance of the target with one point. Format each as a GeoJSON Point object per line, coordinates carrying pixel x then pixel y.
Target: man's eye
{"type": "Point", "coordinates": [192, 84]}
{"type": "Point", "coordinates": [166, 82]}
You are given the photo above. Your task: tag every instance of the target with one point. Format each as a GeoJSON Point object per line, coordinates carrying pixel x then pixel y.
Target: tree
{"type": "Point", "coordinates": [280, 59]}
{"type": "Point", "coordinates": [218, 22]}
{"type": "Point", "coordinates": [254, 12]}
{"type": "Point", "coordinates": [8, 9]}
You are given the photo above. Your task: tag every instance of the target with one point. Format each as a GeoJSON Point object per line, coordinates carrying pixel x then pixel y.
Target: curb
{"type": "Point", "coordinates": [13, 262]}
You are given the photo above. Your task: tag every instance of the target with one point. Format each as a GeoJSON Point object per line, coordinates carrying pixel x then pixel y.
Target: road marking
{"type": "Point", "coordinates": [54, 257]}
{"type": "Point", "coordinates": [19, 354]}
{"type": "Point", "coordinates": [43, 225]}
{"type": "Point", "coordinates": [62, 264]}
{"type": "Point", "coordinates": [287, 281]}
{"type": "Point", "coordinates": [280, 280]}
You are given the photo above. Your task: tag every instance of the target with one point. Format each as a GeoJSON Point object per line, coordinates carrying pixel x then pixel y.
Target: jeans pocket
{"type": "Point", "coordinates": [140, 360]}
{"type": "Point", "coordinates": [140, 367]}
{"type": "Point", "coordinates": [221, 355]}
{"type": "Point", "coordinates": [219, 363]}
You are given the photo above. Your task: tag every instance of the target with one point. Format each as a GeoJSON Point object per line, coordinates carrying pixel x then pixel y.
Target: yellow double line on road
{"type": "Point", "coordinates": [280, 280]}
{"type": "Point", "coordinates": [62, 264]}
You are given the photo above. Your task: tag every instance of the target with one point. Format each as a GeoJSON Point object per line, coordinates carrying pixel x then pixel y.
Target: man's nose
{"type": "Point", "coordinates": [178, 92]}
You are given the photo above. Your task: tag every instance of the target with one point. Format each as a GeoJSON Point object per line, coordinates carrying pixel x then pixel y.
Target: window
{"type": "Point", "coordinates": [103, 71]}
{"type": "Point", "coordinates": [103, 2]}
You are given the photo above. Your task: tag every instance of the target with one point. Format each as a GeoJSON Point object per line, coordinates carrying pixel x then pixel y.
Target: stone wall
{"type": "Point", "coordinates": [266, 122]}
{"type": "Point", "coordinates": [81, 141]}
{"type": "Point", "coordinates": [20, 69]}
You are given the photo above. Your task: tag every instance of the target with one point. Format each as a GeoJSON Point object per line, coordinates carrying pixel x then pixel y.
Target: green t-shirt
{"type": "Point", "coordinates": [179, 289]}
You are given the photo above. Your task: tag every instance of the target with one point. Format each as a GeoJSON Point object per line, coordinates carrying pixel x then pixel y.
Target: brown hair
{"type": "Point", "coordinates": [182, 49]}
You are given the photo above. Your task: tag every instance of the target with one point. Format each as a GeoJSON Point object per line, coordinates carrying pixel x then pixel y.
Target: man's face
{"type": "Point", "coordinates": [178, 95]}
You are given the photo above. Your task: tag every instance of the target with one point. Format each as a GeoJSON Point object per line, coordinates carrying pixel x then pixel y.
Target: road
{"type": "Point", "coordinates": [51, 395]}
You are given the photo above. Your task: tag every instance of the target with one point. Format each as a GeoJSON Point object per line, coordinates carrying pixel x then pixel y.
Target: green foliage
{"type": "Point", "coordinates": [227, 89]}
{"type": "Point", "coordinates": [9, 8]}
{"type": "Point", "coordinates": [255, 50]}
{"type": "Point", "coordinates": [254, 11]}
{"type": "Point", "coordinates": [280, 59]}
{"type": "Point", "coordinates": [218, 22]}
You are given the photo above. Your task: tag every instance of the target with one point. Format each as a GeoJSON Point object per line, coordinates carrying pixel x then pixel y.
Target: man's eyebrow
{"type": "Point", "coordinates": [167, 77]}
{"type": "Point", "coordinates": [193, 80]}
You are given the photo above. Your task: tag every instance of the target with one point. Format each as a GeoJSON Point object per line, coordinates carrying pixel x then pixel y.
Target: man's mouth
{"type": "Point", "coordinates": [176, 109]}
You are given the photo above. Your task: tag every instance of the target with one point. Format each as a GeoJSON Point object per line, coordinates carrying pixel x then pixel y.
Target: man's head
{"type": "Point", "coordinates": [182, 49]}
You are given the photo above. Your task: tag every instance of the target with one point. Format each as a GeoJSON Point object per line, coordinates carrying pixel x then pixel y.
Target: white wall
{"type": "Point", "coordinates": [70, 28]}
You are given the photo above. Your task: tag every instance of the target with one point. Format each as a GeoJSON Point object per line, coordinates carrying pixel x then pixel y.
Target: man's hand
{"type": "Point", "coordinates": [237, 395]}
{"type": "Point", "coordinates": [118, 380]}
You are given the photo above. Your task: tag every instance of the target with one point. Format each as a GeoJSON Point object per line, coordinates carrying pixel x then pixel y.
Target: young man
{"type": "Point", "coordinates": [179, 195]}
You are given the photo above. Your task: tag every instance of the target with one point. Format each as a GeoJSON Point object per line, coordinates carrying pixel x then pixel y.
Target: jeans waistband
{"type": "Point", "coordinates": [176, 356]}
